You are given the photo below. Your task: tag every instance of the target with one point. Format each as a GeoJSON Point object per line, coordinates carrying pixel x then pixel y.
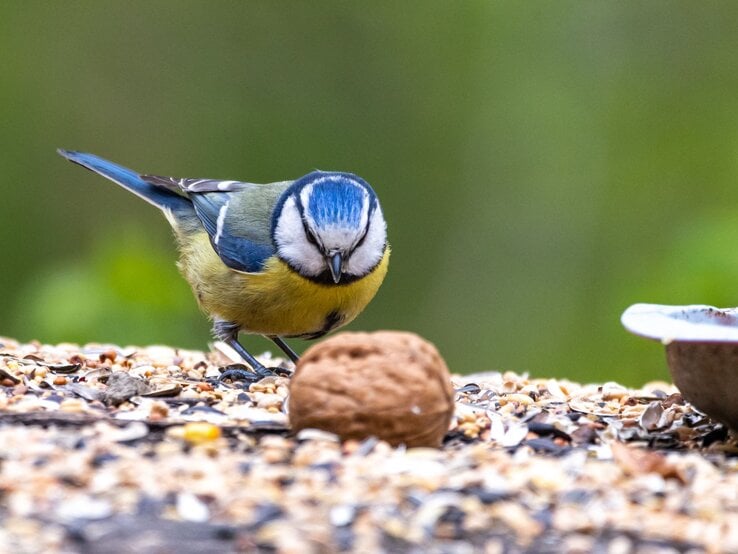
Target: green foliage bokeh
{"type": "Point", "coordinates": [541, 165]}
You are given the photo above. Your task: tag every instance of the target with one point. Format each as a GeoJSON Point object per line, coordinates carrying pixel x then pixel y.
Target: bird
{"type": "Point", "coordinates": [289, 259]}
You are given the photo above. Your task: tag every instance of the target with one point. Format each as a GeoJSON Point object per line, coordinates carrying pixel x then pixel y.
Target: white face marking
{"type": "Point", "coordinates": [220, 221]}
{"type": "Point", "coordinates": [292, 243]}
{"type": "Point", "coordinates": [368, 254]}
{"type": "Point", "coordinates": [294, 246]}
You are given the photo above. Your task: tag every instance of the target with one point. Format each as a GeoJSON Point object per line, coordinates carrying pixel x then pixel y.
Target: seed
{"type": "Point", "coordinates": [198, 432]}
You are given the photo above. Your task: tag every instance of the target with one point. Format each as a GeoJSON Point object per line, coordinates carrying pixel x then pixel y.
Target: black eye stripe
{"type": "Point", "coordinates": [363, 236]}
{"type": "Point", "coordinates": [312, 239]}
{"type": "Point", "coordinates": [311, 236]}
{"type": "Point", "coordinates": [366, 229]}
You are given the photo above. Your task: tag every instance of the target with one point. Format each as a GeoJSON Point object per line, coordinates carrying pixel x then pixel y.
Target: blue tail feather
{"type": "Point", "coordinates": [158, 196]}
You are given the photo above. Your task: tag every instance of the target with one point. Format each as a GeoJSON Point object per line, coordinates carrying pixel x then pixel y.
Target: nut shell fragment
{"type": "Point", "coordinates": [389, 384]}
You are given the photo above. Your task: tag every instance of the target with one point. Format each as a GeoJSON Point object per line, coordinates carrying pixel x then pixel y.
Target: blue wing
{"type": "Point", "coordinates": [237, 252]}
{"type": "Point", "coordinates": [236, 216]}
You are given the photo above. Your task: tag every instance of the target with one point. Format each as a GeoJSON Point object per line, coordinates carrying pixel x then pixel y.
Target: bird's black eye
{"type": "Point", "coordinates": [312, 239]}
{"type": "Point", "coordinates": [363, 237]}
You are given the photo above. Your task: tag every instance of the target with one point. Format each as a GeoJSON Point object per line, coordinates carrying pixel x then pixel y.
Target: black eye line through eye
{"type": "Point", "coordinates": [311, 236]}
{"type": "Point", "coordinates": [363, 235]}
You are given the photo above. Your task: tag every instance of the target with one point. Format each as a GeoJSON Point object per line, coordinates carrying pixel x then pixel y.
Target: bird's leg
{"type": "Point", "coordinates": [284, 347]}
{"type": "Point", "coordinates": [228, 333]}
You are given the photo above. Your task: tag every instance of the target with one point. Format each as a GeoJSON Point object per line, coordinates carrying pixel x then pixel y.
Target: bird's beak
{"type": "Point", "coordinates": [334, 265]}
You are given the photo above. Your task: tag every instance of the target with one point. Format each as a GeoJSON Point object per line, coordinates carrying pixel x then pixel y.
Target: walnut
{"type": "Point", "coordinates": [389, 384]}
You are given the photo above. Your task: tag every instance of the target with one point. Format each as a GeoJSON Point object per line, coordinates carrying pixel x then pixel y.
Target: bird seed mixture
{"type": "Point", "coordinates": [104, 449]}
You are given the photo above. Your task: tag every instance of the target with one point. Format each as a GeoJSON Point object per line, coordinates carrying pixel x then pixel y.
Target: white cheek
{"type": "Point", "coordinates": [367, 256]}
{"type": "Point", "coordinates": [292, 244]}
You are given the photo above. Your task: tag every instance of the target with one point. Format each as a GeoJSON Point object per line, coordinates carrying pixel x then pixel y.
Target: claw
{"type": "Point", "coordinates": [239, 372]}
{"type": "Point", "coordinates": [281, 371]}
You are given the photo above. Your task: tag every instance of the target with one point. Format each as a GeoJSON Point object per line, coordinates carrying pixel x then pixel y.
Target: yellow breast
{"type": "Point", "coordinates": [277, 301]}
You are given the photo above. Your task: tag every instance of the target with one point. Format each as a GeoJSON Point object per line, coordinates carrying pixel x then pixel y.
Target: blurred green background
{"type": "Point", "coordinates": [541, 165]}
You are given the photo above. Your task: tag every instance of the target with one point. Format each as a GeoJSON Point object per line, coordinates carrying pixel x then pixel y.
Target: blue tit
{"type": "Point", "coordinates": [289, 259]}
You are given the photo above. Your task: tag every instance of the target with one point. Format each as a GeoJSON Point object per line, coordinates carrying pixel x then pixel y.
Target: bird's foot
{"type": "Point", "coordinates": [240, 372]}
{"type": "Point", "coordinates": [255, 371]}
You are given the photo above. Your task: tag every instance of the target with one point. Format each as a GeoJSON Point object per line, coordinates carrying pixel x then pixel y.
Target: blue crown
{"type": "Point", "coordinates": [336, 198]}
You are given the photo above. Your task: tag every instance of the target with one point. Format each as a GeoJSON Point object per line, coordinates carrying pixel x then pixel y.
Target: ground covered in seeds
{"type": "Point", "coordinates": [104, 449]}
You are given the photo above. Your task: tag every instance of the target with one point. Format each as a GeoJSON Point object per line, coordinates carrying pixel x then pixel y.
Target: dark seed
{"type": "Point", "coordinates": [469, 388]}
{"type": "Point", "coordinates": [547, 445]}
{"type": "Point", "coordinates": [546, 429]}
